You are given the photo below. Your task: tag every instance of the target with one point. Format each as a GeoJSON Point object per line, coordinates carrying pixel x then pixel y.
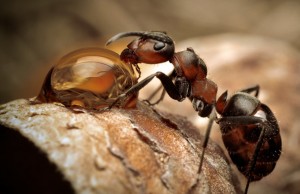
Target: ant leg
{"type": "Point", "coordinates": [212, 118]}
{"type": "Point", "coordinates": [162, 95]}
{"type": "Point", "coordinates": [254, 158]}
{"type": "Point", "coordinates": [172, 76]}
{"type": "Point", "coordinates": [239, 120]}
{"type": "Point", "coordinates": [154, 93]}
{"type": "Point", "coordinates": [252, 89]}
{"type": "Point", "coordinates": [166, 81]}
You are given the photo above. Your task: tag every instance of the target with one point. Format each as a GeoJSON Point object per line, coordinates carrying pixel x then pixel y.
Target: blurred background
{"type": "Point", "coordinates": [35, 33]}
{"type": "Point", "coordinates": [243, 43]}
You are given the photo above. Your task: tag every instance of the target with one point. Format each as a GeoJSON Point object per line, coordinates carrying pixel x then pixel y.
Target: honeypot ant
{"type": "Point", "coordinates": [249, 128]}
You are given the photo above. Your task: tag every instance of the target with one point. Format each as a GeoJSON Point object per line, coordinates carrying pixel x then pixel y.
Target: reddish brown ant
{"type": "Point", "coordinates": [189, 76]}
{"type": "Point", "coordinates": [249, 128]}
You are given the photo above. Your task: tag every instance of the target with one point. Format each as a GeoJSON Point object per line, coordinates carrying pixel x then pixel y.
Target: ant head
{"type": "Point", "coordinates": [151, 47]}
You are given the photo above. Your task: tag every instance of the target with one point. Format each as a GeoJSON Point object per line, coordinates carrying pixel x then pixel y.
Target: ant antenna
{"type": "Point", "coordinates": [156, 35]}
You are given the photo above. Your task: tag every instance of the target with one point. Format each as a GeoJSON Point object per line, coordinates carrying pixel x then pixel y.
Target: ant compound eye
{"type": "Point", "coordinates": [158, 46]}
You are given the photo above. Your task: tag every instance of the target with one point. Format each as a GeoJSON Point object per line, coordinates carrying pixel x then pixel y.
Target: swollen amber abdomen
{"type": "Point", "coordinates": [91, 78]}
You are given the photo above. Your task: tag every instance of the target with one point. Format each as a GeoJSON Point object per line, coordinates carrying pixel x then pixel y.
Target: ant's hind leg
{"type": "Point", "coordinates": [252, 89]}
{"type": "Point", "coordinates": [252, 162]}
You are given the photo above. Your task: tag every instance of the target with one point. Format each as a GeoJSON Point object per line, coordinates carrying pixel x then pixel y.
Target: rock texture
{"type": "Point", "coordinates": [117, 151]}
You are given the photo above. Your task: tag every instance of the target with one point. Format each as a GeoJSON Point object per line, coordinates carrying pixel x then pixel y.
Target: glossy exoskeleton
{"type": "Point", "coordinates": [250, 130]}
{"type": "Point", "coordinates": [250, 133]}
{"type": "Point", "coordinates": [189, 76]}
{"type": "Point", "coordinates": [91, 78]}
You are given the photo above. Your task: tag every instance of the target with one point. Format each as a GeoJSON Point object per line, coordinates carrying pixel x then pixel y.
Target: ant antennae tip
{"type": "Point", "coordinates": [108, 42]}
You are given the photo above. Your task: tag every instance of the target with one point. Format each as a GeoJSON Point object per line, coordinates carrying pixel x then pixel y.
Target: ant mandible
{"type": "Point", "coordinates": [249, 128]}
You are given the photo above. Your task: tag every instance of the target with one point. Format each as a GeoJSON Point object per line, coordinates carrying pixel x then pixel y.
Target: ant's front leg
{"type": "Point", "coordinates": [166, 81]}
{"type": "Point", "coordinates": [183, 87]}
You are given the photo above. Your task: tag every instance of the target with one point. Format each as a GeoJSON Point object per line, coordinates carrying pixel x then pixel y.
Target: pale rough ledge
{"type": "Point", "coordinates": [120, 151]}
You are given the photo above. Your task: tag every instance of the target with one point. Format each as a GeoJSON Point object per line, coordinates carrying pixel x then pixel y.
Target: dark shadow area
{"type": "Point", "coordinates": [25, 169]}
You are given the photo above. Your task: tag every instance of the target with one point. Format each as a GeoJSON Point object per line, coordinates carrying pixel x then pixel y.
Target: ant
{"type": "Point", "coordinates": [249, 128]}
